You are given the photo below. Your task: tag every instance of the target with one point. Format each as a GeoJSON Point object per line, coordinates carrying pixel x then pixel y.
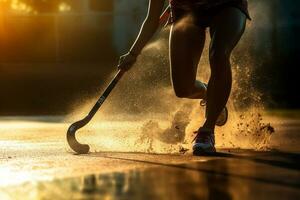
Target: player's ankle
{"type": "Point", "coordinates": [208, 126]}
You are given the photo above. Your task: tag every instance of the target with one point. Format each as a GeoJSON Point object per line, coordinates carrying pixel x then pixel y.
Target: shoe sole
{"type": "Point", "coordinates": [204, 152]}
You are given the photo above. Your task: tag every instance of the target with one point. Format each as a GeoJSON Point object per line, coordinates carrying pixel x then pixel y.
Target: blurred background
{"type": "Point", "coordinates": [54, 52]}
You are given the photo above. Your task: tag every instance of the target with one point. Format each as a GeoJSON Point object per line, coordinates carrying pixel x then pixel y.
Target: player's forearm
{"type": "Point", "coordinates": [147, 31]}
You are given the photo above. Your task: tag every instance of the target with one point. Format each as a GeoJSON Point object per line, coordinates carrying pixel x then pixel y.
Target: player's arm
{"type": "Point", "coordinates": [147, 31]}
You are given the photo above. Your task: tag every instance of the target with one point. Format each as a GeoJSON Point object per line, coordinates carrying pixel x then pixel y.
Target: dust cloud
{"type": "Point", "coordinates": [143, 114]}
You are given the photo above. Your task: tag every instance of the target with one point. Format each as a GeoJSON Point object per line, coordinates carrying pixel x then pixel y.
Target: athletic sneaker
{"type": "Point", "coordinates": [204, 142]}
{"type": "Point", "coordinates": [223, 117]}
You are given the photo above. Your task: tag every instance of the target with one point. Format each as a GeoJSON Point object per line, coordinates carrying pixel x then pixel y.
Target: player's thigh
{"type": "Point", "coordinates": [186, 45]}
{"type": "Point", "coordinates": [226, 30]}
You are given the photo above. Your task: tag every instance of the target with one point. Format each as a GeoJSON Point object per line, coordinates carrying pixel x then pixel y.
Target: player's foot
{"type": "Point", "coordinates": [204, 142]}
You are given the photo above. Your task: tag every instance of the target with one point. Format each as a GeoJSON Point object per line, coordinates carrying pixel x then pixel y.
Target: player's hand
{"type": "Point", "coordinates": [126, 61]}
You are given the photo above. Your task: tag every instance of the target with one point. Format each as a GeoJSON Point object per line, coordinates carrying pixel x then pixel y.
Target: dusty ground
{"type": "Point", "coordinates": [36, 163]}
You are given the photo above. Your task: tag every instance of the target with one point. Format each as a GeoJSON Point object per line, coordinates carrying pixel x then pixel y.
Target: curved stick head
{"type": "Point", "coordinates": [74, 144]}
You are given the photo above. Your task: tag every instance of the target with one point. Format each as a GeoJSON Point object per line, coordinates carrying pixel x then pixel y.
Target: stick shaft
{"type": "Point", "coordinates": [106, 93]}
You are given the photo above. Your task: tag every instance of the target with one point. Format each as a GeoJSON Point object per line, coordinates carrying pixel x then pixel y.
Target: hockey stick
{"type": "Point", "coordinates": [84, 148]}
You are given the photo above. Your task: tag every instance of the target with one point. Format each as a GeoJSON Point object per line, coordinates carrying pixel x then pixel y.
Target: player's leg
{"type": "Point", "coordinates": [186, 45]}
{"type": "Point", "coordinates": [226, 30]}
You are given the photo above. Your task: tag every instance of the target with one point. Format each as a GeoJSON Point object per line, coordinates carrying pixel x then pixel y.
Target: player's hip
{"type": "Point", "coordinates": [204, 13]}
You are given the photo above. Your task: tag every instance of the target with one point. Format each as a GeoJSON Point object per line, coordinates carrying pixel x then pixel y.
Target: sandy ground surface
{"type": "Point", "coordinates": [36, 163]}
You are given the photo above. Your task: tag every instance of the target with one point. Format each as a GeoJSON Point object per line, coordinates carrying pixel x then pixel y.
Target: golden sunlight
{"type": "Point", "coordinates": [17, 6]}
{"type": "Point", "coordinates": [64, 7]}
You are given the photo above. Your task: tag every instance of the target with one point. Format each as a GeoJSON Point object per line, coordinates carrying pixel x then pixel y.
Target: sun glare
{"type": "Point", "coordinates": [64, 7]}
{"type": "Point", "coordinates": [18, 6]}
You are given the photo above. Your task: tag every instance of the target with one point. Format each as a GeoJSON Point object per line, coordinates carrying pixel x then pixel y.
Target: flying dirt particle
{"type": "Point", "coordinates": [268, 128]}
{"type": "Point", "coordinates": [183, 150]}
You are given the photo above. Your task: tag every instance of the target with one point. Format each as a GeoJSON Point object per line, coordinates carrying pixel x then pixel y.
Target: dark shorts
{"type": "Point", "coordinates": [204, 15]}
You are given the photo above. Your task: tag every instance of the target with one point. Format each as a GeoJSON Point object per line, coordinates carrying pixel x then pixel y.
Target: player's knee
{"type": "Point", "coordinates": [182, 93]}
